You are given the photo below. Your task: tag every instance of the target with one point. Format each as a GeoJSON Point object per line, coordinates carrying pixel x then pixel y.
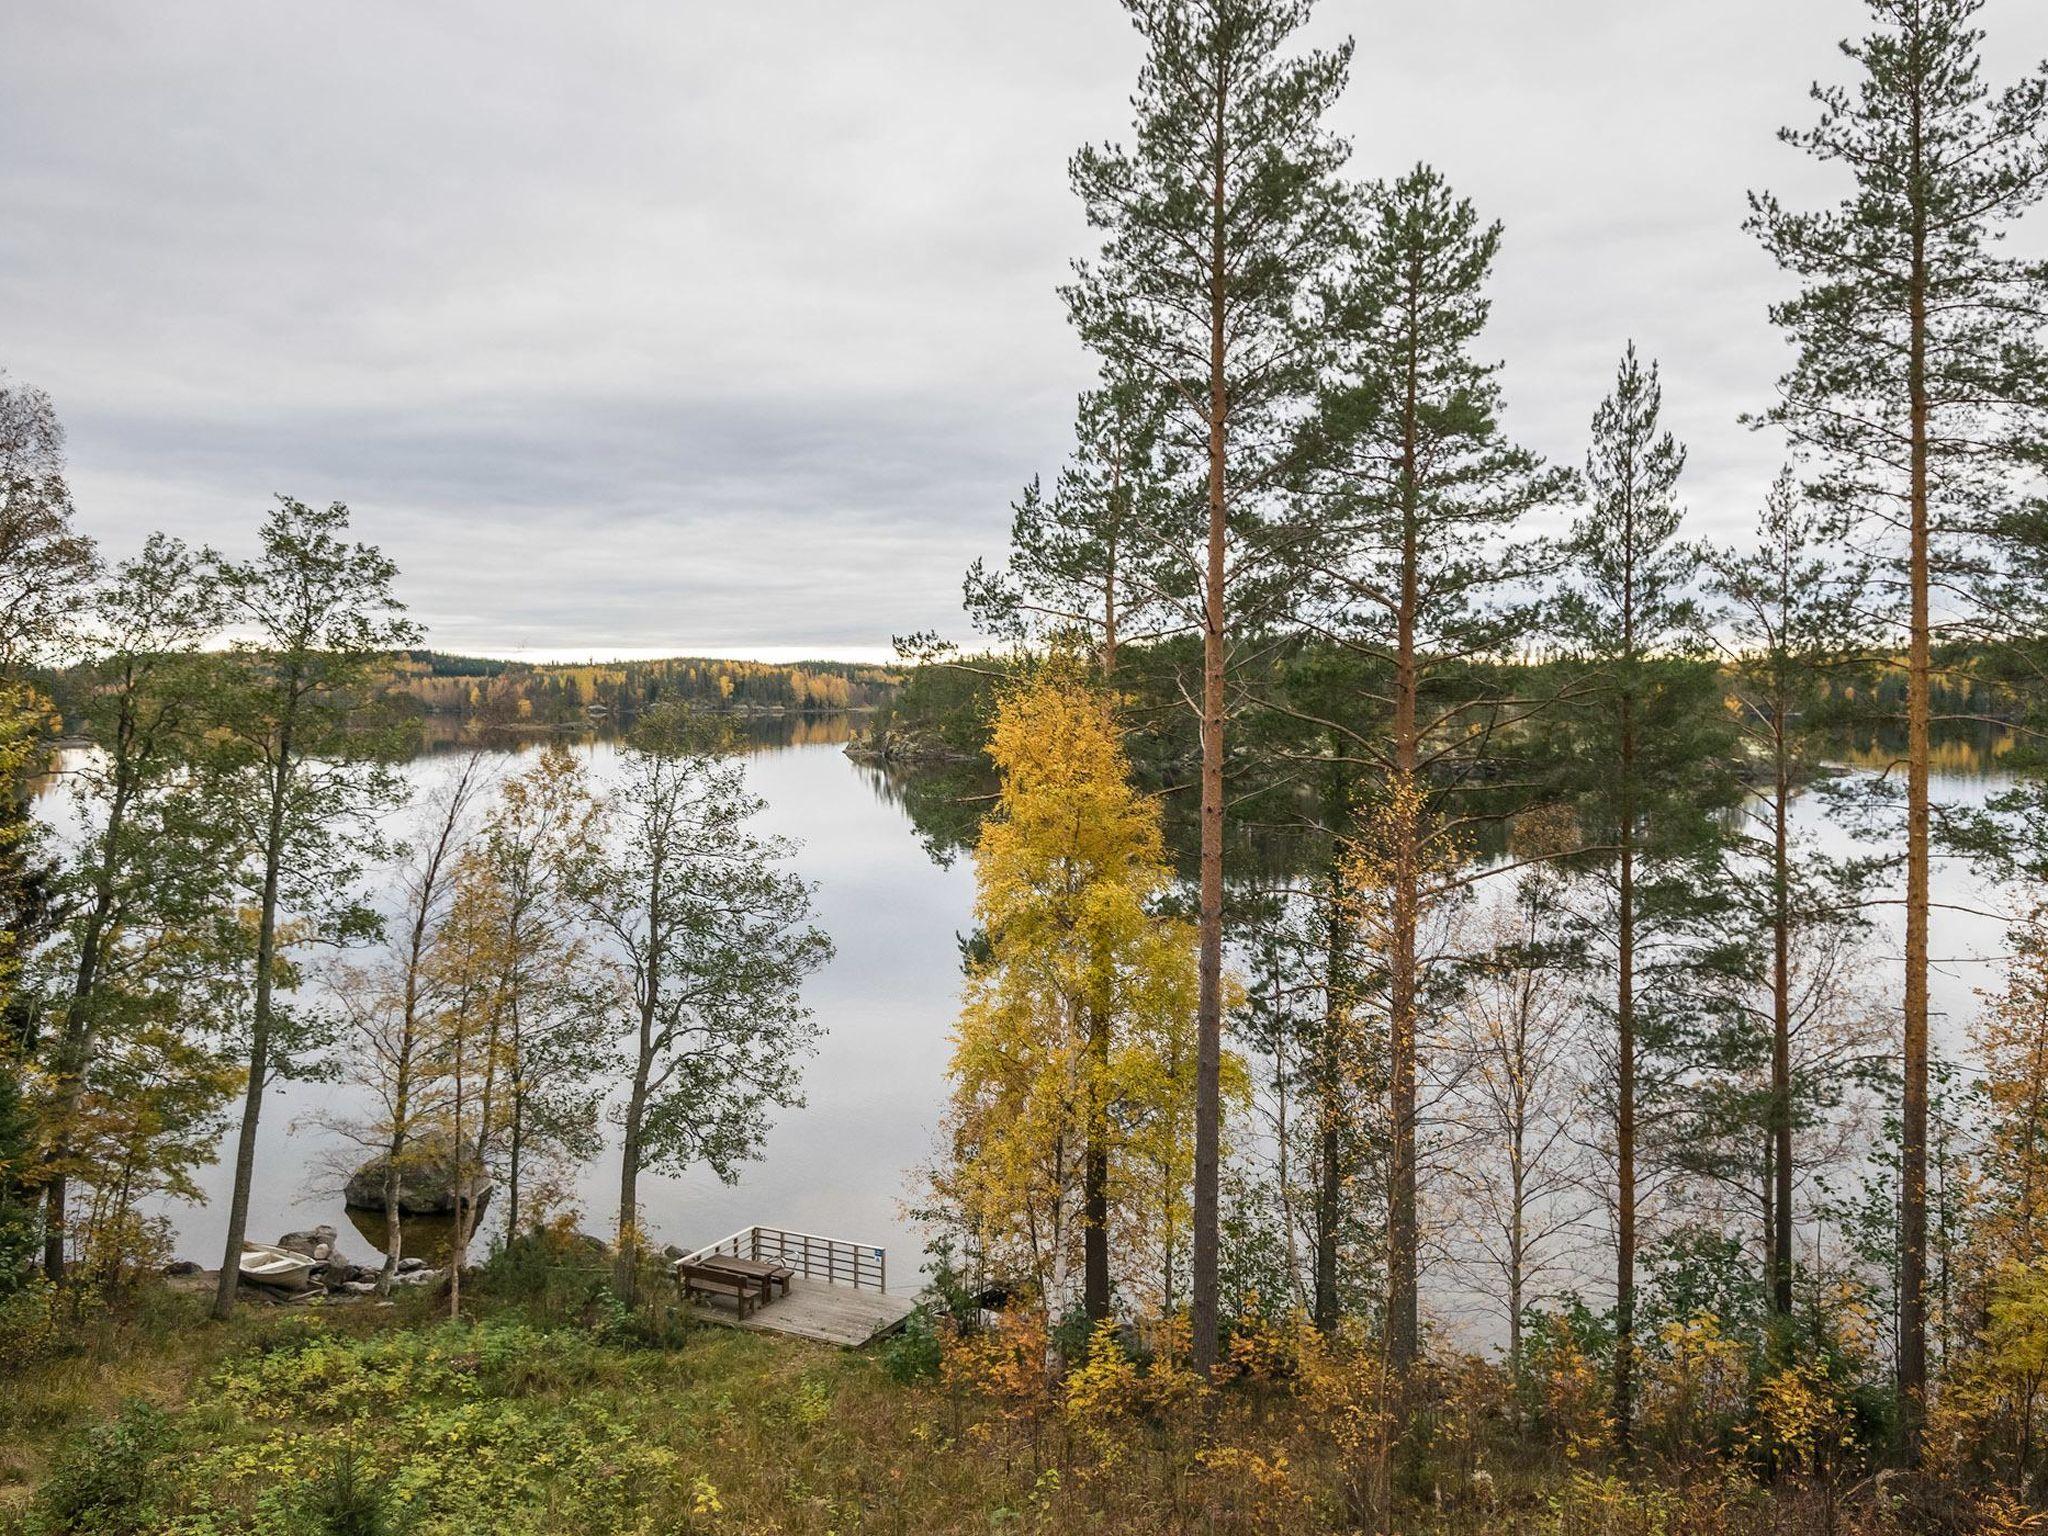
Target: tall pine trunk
{"type": "Point", "coordinates": [1625, 1099]}
{"type": "Point", "coordinates": [1404, 1333]}
{"type": "Point", "coordinates": [1202, 1311]}
{"type": "Point", "coordinates": [1912, 1384]}
{"type": "Point", "coordinates": [1330, 1062]}
{"type": "Point", "coordinates": [1781, 1035]}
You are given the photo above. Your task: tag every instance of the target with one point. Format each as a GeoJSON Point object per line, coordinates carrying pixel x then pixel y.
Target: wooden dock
{"type": "Point", "coordinates": [820, 1310]}
{"type": "Point", "coordinates": [838, 1294]}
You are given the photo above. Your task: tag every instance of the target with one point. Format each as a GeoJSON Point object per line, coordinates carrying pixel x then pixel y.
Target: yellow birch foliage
{"type": "Point", "coordinates": [1066, 874]}
{"type": "Point", "coordinates": [2012, 1042]}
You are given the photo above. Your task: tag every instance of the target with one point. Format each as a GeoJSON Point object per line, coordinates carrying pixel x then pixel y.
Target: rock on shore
{"type": "Point", "coordinates": [427, 1181]}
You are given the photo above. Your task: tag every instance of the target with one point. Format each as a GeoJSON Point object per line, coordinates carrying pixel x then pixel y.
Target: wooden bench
{"type": "Point", "coordinates": [710, 1280]}
{"type": "Point", "coordinates": [766, 1275]}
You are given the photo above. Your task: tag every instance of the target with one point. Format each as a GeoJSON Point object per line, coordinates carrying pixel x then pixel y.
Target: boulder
{"type": "Point", "coordinates": [409, 1264]}
{"type": "Point", "coordinates": [427, 1185]}
{"type": "Point", "coordinates": [178, 1269]}
{"type": "Point", "coordinates": [316, 1244]}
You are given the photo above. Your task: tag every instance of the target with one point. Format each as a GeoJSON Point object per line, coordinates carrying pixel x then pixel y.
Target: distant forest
{"type": "Point", "coordinates": [561, 694]}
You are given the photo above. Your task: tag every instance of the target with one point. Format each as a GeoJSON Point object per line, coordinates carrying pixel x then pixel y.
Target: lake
{"type": "Point", "coordinates": [841, 1166]}
{"type": "Point", "coordinates": [846, 1163]}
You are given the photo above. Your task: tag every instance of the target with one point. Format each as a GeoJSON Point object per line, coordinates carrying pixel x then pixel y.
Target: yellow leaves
{"type": "Point", "coordinates": [1266, 1349]}
{"type": "Point", "coordinates": [704, 1499]}
{"type": "Point", "coordinates": [1005, 1364]}
{"type": "Point", "coordinates": [2016, 1332]}
{"type": "Point", "coordinates": [1101, 1392]}
{"type": "Point", "coordinates": [1696, 1386]}
{"type": "Point", "coordinates": [1075, 1033]}
{"type": "Point", "coordinates": [1798, 1416]}
{"type": "Point", "coordinates": [1266, 1483]}
{"type": "Point", "coordinates": [2012, 1039]}
{"type": "Point", "coordinates": [1573, 1388]}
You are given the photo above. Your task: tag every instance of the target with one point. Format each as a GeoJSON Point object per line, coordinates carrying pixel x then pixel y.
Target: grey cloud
{"type": "Point", "coordinates": [715, 326]}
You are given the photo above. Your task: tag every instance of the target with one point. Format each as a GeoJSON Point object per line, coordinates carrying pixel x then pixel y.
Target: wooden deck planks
{"type": "Point", "coordinates": [813, 1309]}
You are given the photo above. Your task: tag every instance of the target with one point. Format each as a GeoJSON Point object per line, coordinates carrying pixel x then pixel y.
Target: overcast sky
{"type": "Point", "coordinates": [716, 327]}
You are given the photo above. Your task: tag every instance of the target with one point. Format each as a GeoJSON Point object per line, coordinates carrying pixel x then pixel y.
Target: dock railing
{"type": "Point", "coordinates": [831, 1259]}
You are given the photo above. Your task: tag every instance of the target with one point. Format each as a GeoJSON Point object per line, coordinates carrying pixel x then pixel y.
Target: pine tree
{"type": "Point", "coordinates": [1083, 560]}
{"type": "Point", "coordinates": [1792, 622]}
{"type": "Point", "coordinates": [1920, 384]}
{"type": "Point", "coordinates": [1650, 736]}
{"type": "Point", "coordinates": [1215, 223]}
{"type": "Point", "coordinates": [1415, 501]}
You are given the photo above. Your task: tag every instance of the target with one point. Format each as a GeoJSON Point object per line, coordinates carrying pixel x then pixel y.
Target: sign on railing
{"type": "Point", "coordinates": [831, 1259]}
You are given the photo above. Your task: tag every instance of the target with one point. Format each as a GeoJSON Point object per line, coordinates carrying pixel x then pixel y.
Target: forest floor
{"type": "Point", "coordinates": [531, 1417]}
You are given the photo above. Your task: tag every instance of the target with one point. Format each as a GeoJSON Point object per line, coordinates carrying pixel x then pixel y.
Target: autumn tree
{"type": "Point", "coordinates": [708, 939]}
{"type": "Point", "coordinates": [1072, 1065]}
{"type": "Point", "coordinates": [44, 561]}
{"type": "Point", "coordinates": [468, 1063]}
{"type": "Point", "coordinates": [147, 928]}
{"type": "Point", "coordinates": [45, 564]}
{"type": "Point", "coordinates": [1419, 577]}
{"type": "Point", "coordinates": [300, 771]}
{"type": "Point", "coordinates": [1512, 1047]}
{"type": "Point", "coordinates": [2011, 1037]}
{"type": "Point", "coordinates": [1215, 221]}
{"type": "Point", "coordinates": [1918, 396]}
{"type": "Point", "coordinates": [539, 831]}
{"type": "Point", "coordinates": [389, 1007]}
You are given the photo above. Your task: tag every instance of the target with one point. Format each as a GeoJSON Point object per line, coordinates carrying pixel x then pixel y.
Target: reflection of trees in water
{"type": "Point", "coordinates": [1273, 839]}
{"type": "Point", "coordinates": [751, 733]}
{"type": "Point", "coordinates": [944, 805]}
{"type": "Point", "coordinates": [1962, 749]}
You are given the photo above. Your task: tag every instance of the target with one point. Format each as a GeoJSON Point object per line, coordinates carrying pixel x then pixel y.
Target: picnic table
{"type": "Point", "coordinates": [728, 1274]}
{"type": "Point", "coordinates": [769, 1275]}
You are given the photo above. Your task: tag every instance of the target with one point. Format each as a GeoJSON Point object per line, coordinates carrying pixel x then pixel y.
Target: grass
{"type": "Point", "coordinates": [557, 1411]}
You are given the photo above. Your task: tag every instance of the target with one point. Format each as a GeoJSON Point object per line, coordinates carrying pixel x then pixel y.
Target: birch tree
{"type": "Point", "coordinates": [300, 772]}
{"type": "Point", "coordinates": [708, 938]}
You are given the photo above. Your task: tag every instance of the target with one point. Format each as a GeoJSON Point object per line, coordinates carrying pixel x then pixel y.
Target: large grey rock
{"type": "Point", "coordinates": [427, 1185]}
{"type": "Point", "coordinates": [316, 1244]}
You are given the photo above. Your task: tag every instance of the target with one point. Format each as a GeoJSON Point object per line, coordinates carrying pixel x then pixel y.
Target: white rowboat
{"type": "Point", "coordinates": [264, 1265]}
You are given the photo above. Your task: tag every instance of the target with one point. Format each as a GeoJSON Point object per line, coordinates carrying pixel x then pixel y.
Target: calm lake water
{"type": "Point", "coordinates": [845, 1164]}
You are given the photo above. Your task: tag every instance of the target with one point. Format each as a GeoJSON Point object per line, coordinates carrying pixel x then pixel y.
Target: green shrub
{"type": "Point", "coordinates": [104, 1482]}
{"type": "Point", "coordinates": [344, 1501]}
{"type": "Point", "coordinates": [914, 1354]}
